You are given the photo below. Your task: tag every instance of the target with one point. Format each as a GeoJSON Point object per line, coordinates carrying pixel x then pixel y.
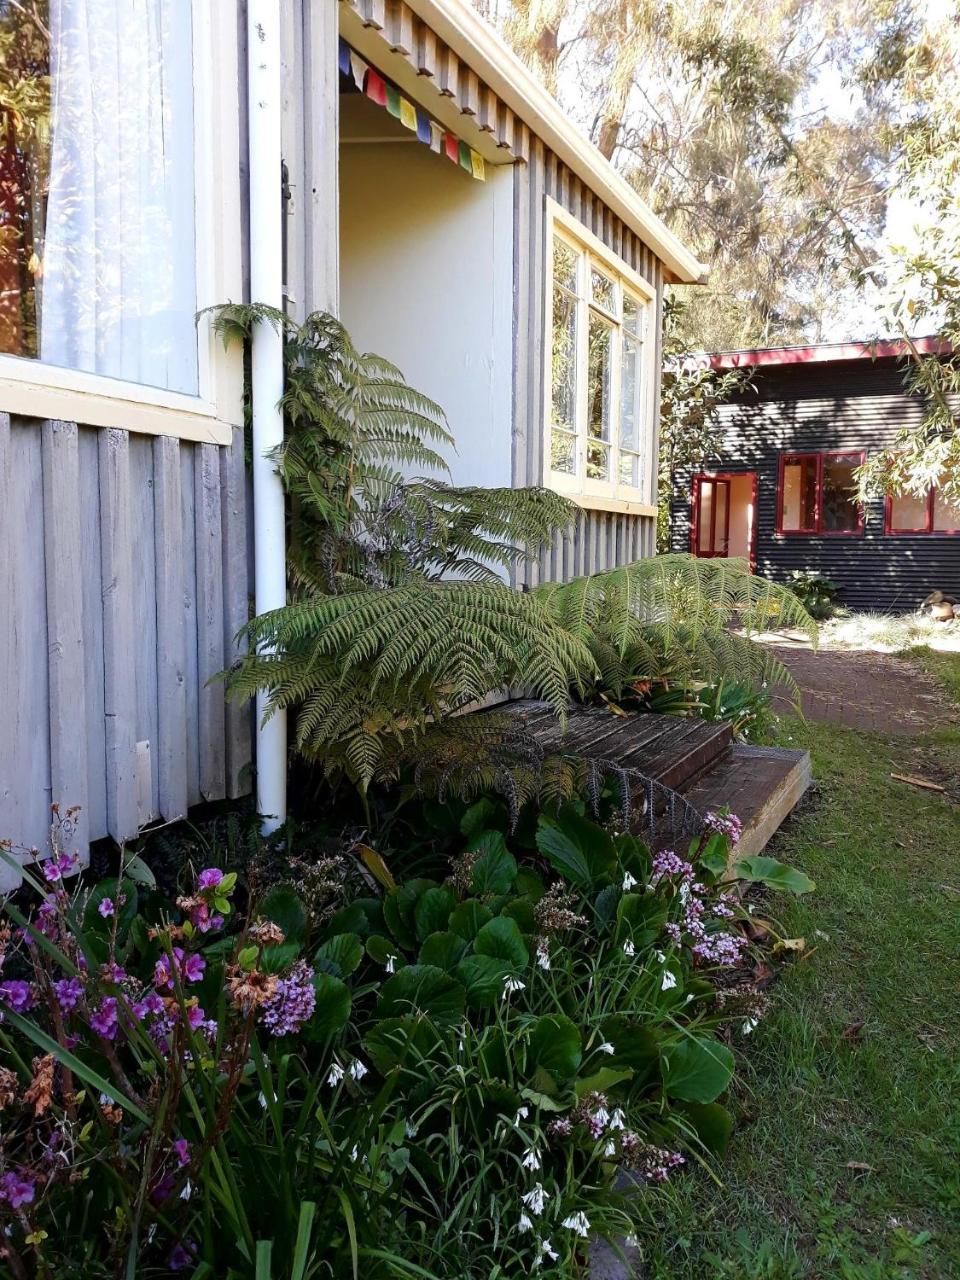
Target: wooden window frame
{"type": "Point", "coordinates": [927, 532]}
{"type": "Point", "coordinates": [603, 495]}
{"type": "Point", "coordinates": [818, 531]}
{"type": "Point", "coordinates": [33, 388]}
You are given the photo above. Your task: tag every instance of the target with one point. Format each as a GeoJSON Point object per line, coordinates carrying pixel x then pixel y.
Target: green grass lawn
{"type": "Point", "coordinates": [846, 1157]}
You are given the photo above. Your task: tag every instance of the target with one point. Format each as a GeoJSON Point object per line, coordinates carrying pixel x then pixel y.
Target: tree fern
{"type": "Point", "coordinates": [401, 615]}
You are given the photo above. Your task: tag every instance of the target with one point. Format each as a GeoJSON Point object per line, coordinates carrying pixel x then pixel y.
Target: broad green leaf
{"type": "Point", "coordinates": [478, 817]}
{"type": "Point", "coordinates": [423, 988]}
{"type": "Point", "coordinates": [521, 910]}
{"type": "Point", "coordinates": [125, 902]}
{"type": "Point", "coordinates": [444, 950]}
{"type": "Point", "coordinates": [333, 1006]}
{"type": "Point", "coordinates": [580, 850]}
{"type": "Point", "coordinates": [711, 1122]}
{"type": "Point", "coordinates": [400, 1040]}
{"type": "Point", "coordinates": [339, 955]}
{"type": "Point", "coordinates": [382, 950]}
{"type": "Point", "coordinates": [483, 977]}
{"type": "Point", "coordinates": [399, 907]}
{"type": "Point", "coordinates": [600, 1081]}
{"type": "Point", "coordinates": [432, 912]}
{"type": "Point", "coordinates": [502, 939]}
{"type": "Point", "coordinates": [774, 874]}
{"type": "Point", "coordinates": [641, 917]}
{"type": "Point", "coordinates": [469, 918]}
{"type": "Point", "coordinates": [635, 1046]}
{"type": "Point", "coordinates": [139, 872]}
{"type": "Point", "coordinates": [696, 1069]}
{"type": "Point", "coordinates": [282, 905]}
{"type": "Point", "coordinates": [276, 959]}
{"type": "Point", "coordinates": [555, 1046]}
{"type": "Point", "coordinates": [495, 870]}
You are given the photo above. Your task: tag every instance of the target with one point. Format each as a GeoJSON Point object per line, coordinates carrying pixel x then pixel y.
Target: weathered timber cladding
{"type": "Point", "coordinates": [124, 579]}
{"type": "Point", "coordinates": [597, 540]}
{"type": "Point", "coordinates": [845, 405]}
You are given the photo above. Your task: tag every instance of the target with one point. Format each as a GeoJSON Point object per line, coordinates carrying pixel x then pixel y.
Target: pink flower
{"type": "Point", "coordinates": [210, 878]}
{"type": "Point", "coordinates": [69, 992]}
{"type": "Point", "coordinates": [105, 908]}
{"type": "Point", "coordinates": [17, 995]}
{"type": "Point", "coordinates": [181, 1255]}
{"type": "Point", "coordinates": [56, 868]}
{"type": "Point", "coordinates": [104, 1019]}
{"type": "Point", "coordinates": [181, 1149]}
{"type": "Point", "coordinates": [17, 1189]}
{"type": "Point", "coordinates": [189, 968]}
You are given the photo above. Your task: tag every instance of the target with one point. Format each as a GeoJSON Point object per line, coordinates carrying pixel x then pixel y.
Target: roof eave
{"type": "Point", "coordinates": [462, 28]}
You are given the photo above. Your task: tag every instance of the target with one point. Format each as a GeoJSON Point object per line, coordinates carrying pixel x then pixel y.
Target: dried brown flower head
{"type": "Point", "coordinates": [39, 1093]}
{"type": "Point", "coordinates": [554, 912]}
{"type": "Point", "coordinates": [249, 989]}
{"type": "Point", "coordinates": [461, 872]}
{"type": "Point", "coordinates": [266, 933]}
{"type": "Point", "coordinates": [8, 1087]}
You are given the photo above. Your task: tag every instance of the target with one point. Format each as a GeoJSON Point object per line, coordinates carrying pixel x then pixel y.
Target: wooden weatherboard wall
{"type": "Point", "coordinates": [124, 579]}
{"type": "Point", "coordinates": [598, 539]}
{"type": "Point", "coordinates": [843, 405]}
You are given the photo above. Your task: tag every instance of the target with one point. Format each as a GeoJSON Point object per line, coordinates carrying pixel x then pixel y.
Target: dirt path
{"type": "Point", "coordinates": [864, 690]}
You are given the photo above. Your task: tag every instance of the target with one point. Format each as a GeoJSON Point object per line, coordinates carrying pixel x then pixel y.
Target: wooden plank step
{"type": "Point", "coordinates": [761, 785]}
{"type": "Point", "coordinates": [669, 749]}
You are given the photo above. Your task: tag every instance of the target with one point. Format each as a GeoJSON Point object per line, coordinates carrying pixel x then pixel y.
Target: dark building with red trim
{"type": "Point", "coordinates": [780, 489]}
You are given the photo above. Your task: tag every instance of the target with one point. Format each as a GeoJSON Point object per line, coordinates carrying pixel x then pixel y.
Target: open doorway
{"type": "Point", "coordinates": [426, 277]}
{"type": "Point", "coordinates": [723, 511]}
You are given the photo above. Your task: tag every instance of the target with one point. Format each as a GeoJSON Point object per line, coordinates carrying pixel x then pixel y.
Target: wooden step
{"type": "Point", "coordinates": [761, 785]}
{"type": "Point", "coordinates": [671, 750]}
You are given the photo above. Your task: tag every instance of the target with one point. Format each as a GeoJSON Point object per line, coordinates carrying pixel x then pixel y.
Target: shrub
{"type": "Point", "coordinates": [440, 1078]}
{"type": "Point", "coordinates": [818, 593]}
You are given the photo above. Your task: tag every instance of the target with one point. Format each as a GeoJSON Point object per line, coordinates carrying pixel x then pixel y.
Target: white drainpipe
{"type": "Point", "coordinates": [266, 285]}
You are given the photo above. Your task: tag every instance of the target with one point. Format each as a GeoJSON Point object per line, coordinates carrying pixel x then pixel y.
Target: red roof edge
{"type": "Point", "coordinates": [878, 349]}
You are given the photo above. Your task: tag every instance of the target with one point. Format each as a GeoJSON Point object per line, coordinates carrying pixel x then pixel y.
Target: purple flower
{"type": "Point", "coordinates": [181, 1149]}
{"type": "Point", "coordinates": [726, 824]}
{"type": "Point", "coordinates": [210, 878]}
{"type": "Point", "coordinates": [667, 863]}
{"type": "Point", "coordinates": [69, 992]}
{"type": "Point", "coordinates": [17, 995]}
{"type": "Point", "coordinates": [105, 908]}
{"type": "Point", "coordinates": [293, 1002]}
{"type": "Point", "coordinates": [17, 1189]}
{"type": "Point", "coordinates": [56, 868]}
{"type": "Point", "coordinates": [45, 920]}
{"type": "Point", "coordinates": [720, 948]}
{"type": "Point", "coordinates": [104, 1019]}
{"type": "Point", "coordinates": [150, 1004]}
{"type": "Point", "coordinates": [181, 1255]}
{"type": "Point", "coordinates": [189, 968]}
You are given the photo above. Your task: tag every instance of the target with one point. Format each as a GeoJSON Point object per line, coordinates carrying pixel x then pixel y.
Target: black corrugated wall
{"type": "Point", "coordinates": [854, 404]}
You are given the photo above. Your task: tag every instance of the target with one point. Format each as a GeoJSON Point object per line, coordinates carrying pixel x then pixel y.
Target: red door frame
{"type": "Point", "coordinates": [695, 510]}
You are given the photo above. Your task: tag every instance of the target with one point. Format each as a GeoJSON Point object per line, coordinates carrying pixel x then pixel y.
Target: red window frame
{"type": "Point", "coordinates": [818, 530]}
{"type": "Point", "coordinates": [927, 531]}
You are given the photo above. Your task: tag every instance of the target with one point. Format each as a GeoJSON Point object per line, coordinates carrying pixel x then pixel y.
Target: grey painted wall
{"type": "Point", "coordinates": [124, 579]}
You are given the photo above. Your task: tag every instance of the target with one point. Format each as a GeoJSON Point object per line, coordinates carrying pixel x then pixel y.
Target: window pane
{"type": "Point", "coordinates": [908, 512]}
{"type": "Point", "coordinates": [630, 469]}
{"type": "Point", "coordinates": [629, 390]}
{"type": "Point", "coordinates": [564, 360]}
{"type": "Point", "coordinates": [97, 267]}
{"type": "Point", "coordinates": [600, 336]}
{"type": "Point", "coordinates": [705, 518]}
{"type": "Point", "coordinates": [564, 264]}
{"type": "Point", "coordinates": [946, 514]}
{"type": "Point", "coordinates": [632, 311]}
{"type": "Point", "coordinates": [602, 289]}
{"type": "Point", "coordinates": [563, 452]}
{"type": "Point", "coordinates": [800, 495]}
{"type": "Point", "coordinates": [598, 460]}
{"type": "Point", "coordinates": [840, 512]}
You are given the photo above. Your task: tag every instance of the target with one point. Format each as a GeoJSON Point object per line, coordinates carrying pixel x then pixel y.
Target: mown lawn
{"type": "Point", "coordinates": [846, 1158]}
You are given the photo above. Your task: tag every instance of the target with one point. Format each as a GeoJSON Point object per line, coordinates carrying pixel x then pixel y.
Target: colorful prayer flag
{"type": "Point", "coordinates": [408, 115]}
{"type": "Point", "coordinates": [344, 59]}
{"type": "Point", "coordinates": [463, 155]}
{"type": "Point", "coordinates": [452, 147]}
{"type": "Point", "coordinates": [477, 166]}
{"type": "Point", "coordinates": [359, 69]}
{"type": "Point", "coordinates": [436, 137]}
{"type": "Point", "coordinates": [393, 100]}
{"type": "Point", "coordinates": [376, 87]}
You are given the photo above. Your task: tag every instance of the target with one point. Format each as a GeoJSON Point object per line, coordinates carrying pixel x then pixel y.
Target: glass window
{"type": "Point", "coordinates": [97, 215]}
{"type": "Point", "coordinates": [596, 430]}
{"type": "Point", "coordinates": [946, 514]}
{"type": "Point", "coordinates": [908, 513]}
{"type": "Point", "coordinates": [799, 510]}
{"type": "Point", "coordinates": [839, 509]}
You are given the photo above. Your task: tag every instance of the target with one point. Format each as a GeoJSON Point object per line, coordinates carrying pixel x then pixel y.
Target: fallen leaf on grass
{"type": "Point", "coordinates": [925, 783]}
{"type": "Point", "coordinates": [789, 945]}
{"type": "Point", "coordinates": [860, 1166]}
{"type": "Point", "coordinates": [852, 1032]}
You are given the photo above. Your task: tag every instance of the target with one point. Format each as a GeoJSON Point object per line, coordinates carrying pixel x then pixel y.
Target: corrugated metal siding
{"type": "Point", "coordinates": [825, 407]}
{"type": "Point", "coordinates": [124, 579]}
{"type": "Point", "coordinates": [597, 538]}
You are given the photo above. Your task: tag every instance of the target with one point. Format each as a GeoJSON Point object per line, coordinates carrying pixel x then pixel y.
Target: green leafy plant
{"type": "Point", "coordinates": [818, 593]}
